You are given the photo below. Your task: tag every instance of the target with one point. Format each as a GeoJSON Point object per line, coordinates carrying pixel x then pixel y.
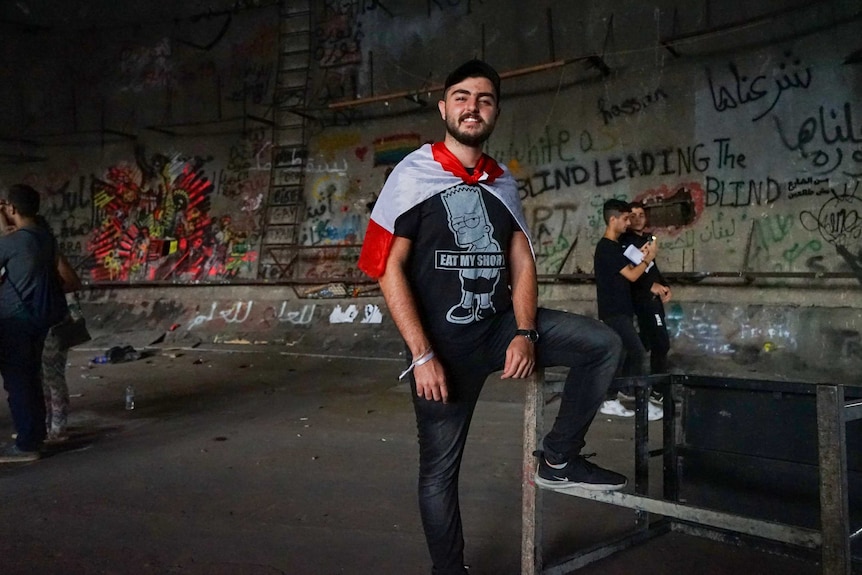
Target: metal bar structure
{"type": "Point", "coordinates": [832, 452]}
{"type": "Point", "coordinates": [439, 87]}
{"type": "Point", "coordinates": [832, 540]}
{"type": "Point", "coordinates": [531, 496]}
{"type": "Point", "coordinates": [531, 533]}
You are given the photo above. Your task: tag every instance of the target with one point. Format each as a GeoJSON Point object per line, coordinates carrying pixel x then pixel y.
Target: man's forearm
{"type": "Point", "coordinates": [402, 305]}
{"type": "Point", "coordinates": [525, 291]}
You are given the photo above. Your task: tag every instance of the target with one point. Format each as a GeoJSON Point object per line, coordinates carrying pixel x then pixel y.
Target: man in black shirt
{"type": "Point", "coordinates": [649, 294]}
{"type": "Point", "coordinates": [449, 245]}
{"type": "Point", "coordinates": [615, 273]}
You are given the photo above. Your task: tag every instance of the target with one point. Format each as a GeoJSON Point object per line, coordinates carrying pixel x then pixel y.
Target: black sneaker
{"type": "Point", "coordinates": [12, 454]}
{"type": "Point", "coordinates": [578, 472]}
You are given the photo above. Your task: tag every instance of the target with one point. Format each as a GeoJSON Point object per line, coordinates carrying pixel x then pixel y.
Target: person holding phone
{"type": "Point", "coordinates": [649, 294]}
{"type": "Point", "coordinates": [616, 270]}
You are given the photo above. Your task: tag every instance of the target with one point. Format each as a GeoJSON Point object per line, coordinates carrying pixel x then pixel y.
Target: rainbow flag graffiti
{"type": "Point", "coordinates": [389, 150]}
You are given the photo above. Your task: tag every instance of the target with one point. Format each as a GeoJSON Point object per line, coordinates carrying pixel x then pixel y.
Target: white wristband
{"type": "Point", "coordinates": [421, 360]}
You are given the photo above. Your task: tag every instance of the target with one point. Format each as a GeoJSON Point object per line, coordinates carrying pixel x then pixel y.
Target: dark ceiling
{"type": "Point", "coordinates": [46, 16]}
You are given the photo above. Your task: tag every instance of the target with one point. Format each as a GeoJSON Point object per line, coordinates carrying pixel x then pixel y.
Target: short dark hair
{"type": "Point", "coordinates": [24, 198]}
{"type": "Point", "coordinates": [613, 208]}
{"type": "Point", "coordinates": [473, 69]}
{"type": "Point", "coordinates": [634, 205]}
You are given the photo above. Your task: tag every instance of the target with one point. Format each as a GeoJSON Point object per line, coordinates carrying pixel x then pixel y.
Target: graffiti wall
{"type": "Point", "coordinates": [746, 146]}
{"type": "Point", "coordinates": [747, 151]}
{"type": "Point", "coordinates": [147, 145]}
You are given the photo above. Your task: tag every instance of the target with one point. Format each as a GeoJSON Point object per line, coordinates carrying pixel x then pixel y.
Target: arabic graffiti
{"type": "Point", "coordinates": [720, 228]}
{"type": "Point", "coordinates": [801, 187]}
{"type": "Point", "coordinates": [240, 312]}
{"type": "Point", "coordinates": [330, 217]}
{"type": "Point", "coordinates": [230, 315]}
{"type": "Point", "coordinates": [301, 317]}
{"type": "Point", "coordinates": [741, 90]}
{"type": "Point", "coordinates": [829, 140]}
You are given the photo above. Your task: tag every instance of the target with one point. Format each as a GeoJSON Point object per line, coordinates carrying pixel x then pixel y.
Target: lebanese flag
{"type": "Point", "coordinates": [423, 174]}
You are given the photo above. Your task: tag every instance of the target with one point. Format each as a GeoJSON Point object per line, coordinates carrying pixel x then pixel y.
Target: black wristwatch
{"type": "Point", "coordinates": [530, 334]}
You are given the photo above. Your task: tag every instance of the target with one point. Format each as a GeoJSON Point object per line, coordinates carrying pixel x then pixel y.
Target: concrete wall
{"type": "Point", "coordinates": [756, 127]}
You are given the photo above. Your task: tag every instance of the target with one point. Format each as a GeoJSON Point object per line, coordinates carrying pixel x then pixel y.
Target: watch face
{"type": "Point", "coordinates": [530, 334]}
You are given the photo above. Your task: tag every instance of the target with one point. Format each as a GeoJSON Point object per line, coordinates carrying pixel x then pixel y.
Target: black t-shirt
{"type": "Point", "coordinates": [641, 288]}
{"type": "Point", "coordinates": [458, 267]}
{"type": "Point", "coordinates": [613, 290]}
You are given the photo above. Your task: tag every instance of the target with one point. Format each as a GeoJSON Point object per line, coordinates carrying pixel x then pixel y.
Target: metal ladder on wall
{"type": "Point", "coordinates": [285, 207]}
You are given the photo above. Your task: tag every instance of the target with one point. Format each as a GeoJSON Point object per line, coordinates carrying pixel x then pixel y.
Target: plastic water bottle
{"type": "Point", "coordinates": [130, 397]}
{"type": "Point", "coordinates": [100, 359]}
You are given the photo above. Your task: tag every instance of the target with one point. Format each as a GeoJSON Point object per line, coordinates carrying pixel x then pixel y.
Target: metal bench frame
{"type": "Point", "coordinates": [833, 540]}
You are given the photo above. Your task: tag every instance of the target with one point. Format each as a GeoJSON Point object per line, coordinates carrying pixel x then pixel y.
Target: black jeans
{"type": "Point", "coordinates": [20, 366]}
{"type": "Point", "coordinates": [587, 346]}
{"type": "Point", "coordinates": [653, 332]}
{"type": "Point", "coordinates": [633, 349]}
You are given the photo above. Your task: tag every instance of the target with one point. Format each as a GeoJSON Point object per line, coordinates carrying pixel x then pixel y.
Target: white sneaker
{"type": "Point", "coordinates": [614, 407]}
{"type": "Point", "coordinates": [654, 412]}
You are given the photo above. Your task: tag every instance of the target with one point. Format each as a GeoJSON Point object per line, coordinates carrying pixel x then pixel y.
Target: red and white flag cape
{"type": "Point", "coordinates": [422, 174]}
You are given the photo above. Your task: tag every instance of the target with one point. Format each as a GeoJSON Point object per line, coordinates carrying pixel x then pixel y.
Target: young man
{"type": "Point", "coordinates": [649, 294]}
{"type": "Point", "coordinates": [29, 257]}
{"type": "Point", "coordinates": [54, 357]}
{"type": "Point", "coordinates": [449, 245]}
{"type": "Point", "coordinates": [615, 273]}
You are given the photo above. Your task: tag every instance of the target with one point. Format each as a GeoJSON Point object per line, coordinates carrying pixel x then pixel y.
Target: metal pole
{"type": "Point", "coordinates": [834, 507]}
{"type": "Point", "coordinates": [531, 496]}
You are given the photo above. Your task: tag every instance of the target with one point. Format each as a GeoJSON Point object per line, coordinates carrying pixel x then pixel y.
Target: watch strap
{"type": "Point", "coordinates": [530, 334]}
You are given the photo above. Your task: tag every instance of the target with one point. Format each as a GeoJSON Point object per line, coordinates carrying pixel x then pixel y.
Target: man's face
{"type": "Point", "coordinates": [620, 223]}
{"type": "Point", "coordinates": [637, 221]}
{"type": "Point", "coordinates": [470, 111]}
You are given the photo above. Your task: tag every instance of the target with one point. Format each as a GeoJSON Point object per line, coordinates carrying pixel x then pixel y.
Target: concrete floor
{"type": "Point", "coordinates": [259, 463]}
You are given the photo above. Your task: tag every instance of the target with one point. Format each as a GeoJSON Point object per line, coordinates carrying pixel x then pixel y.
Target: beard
{"type": "Point", "coordinates": [472, 139]}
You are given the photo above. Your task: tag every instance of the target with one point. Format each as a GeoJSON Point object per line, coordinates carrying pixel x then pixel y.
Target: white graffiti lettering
{"type": "Point", "coordinates": [201, 319]}
{"type": "Point", "coordinates": [301, 317]}
{"type": "Point", "coordinates": [232, 315]}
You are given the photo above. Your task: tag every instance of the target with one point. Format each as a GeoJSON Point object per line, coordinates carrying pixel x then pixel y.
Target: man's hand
{"type": "Point", "coordinates": [431, 381]}
{"type": "Point", "coordinates": [649, 250]}
{"type": "Point", "coordinates": [6, 226]}
{"type": "Point", "coordinates": [520, 358]}
{"type": "Point", "coordinates": [661, 291]}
